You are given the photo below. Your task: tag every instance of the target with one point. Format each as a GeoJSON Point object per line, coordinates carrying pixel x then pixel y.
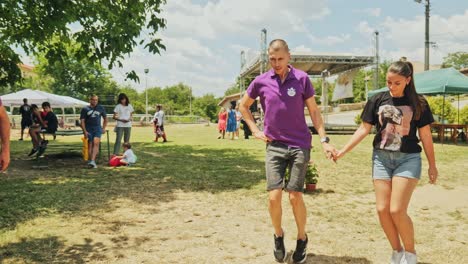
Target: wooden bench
{"type": "Point", "coordinates": [65, 147]}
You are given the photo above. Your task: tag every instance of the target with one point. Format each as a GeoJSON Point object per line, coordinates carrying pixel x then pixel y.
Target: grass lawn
{"type": "Point", "coordinates": [197, 199]}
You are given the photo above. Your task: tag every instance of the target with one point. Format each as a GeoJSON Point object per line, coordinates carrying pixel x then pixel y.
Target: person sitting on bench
{"type": "Point", "coordinates": [48, 125]}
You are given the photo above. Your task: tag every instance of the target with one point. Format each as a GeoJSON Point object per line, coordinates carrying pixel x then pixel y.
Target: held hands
{"type": "Point", "coordinates": [330, 151]}
{"type": "Point", "coordinates": [433, 173]}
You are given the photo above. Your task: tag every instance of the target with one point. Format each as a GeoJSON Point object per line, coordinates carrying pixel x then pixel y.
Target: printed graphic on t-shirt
{"type": "Point", "coordinates": [291, 91]}
{"type": "Point", "coordinates": [93, 113]}
{"type": "Point", "coordinates": [395, 122]}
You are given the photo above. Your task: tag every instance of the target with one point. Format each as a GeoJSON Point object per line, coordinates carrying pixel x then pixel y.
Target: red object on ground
{"type": "Point", "coordinates": [114, 162]}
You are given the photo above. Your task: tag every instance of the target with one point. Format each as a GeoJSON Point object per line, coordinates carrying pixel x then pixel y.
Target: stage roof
{"type": "Point", "coordinates": [314, 64]}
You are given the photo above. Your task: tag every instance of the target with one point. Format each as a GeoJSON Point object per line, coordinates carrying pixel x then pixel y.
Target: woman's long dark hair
{"type": "Point", "coordinates": [123, 96]}
{"type": "Point", "coordinates": [405, 68]}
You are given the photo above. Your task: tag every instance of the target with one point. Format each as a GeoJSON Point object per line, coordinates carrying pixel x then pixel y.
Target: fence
{"type": "Point", "coordinates": [70, 120]}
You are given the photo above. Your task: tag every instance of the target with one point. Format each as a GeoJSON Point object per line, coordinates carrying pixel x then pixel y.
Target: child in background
{"type": "Point", "coordinates": [157, 130]}
{"type": "Point", "coordinates": [128, 157]}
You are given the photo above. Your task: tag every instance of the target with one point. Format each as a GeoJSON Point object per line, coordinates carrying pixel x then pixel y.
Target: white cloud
{"type": "Point", "coordinates": [196, 39]}
{"type": "Point", "coordinates": [330, 40]}
{"type": "Point", "coordinates": [301, 48]}
{"type": "Point", "coordinates": [375, 12]}
{"type": "Point", "coordinates": [365, 29]}
{"type": "Point", "coordinates": [243, 16]}
{"type": "Point", "coordinates": [406, 36]}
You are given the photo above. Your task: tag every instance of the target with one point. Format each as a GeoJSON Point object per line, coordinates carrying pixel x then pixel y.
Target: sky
{"type": "Point", "coordinates": [204, 39]}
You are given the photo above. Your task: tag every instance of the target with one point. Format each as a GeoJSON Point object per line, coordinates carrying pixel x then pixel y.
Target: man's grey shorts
{"type": "Point", "coordinates": [279, 157]}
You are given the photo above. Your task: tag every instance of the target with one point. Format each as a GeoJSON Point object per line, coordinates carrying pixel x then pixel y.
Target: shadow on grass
{"type": "Point", "coordinates": [68, 186]}
{"type": "Point", "coordinates": [319, 191]}
{"type": "Point", "coordinates": [323, 259]}
{"type": "Point", "coordinates": [51, 250]}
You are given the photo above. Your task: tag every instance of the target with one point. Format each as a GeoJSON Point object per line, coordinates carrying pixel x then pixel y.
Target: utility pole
{"type": "Point", "coordinates": [324, 98]}
{"type": "Point", "coordinates": [190, 100]}
{"type": "Point", "coordinates": [426, 40]}
{"type": "Point", "coordinates": [376, 72]}
{"type": "Point", "coordinates": [146, 94]}
{"type": "Point", "coordinates": [241, 79]}
{"type": "Point", "coordinates": [426, 50]}
{"type": "Point", "coordinates": [263, 50]}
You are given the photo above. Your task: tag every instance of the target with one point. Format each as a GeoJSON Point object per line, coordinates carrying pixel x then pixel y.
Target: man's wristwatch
{"type": "Point", "coordinates": [324, 140]}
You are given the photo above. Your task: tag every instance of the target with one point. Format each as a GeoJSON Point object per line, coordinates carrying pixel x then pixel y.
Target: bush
{"type": "Point", "coordinates": [312, 174]}
{"type": "Point", "coordinates": [464, 115]}
{"type": "Point", "coordinates": [437, 103]}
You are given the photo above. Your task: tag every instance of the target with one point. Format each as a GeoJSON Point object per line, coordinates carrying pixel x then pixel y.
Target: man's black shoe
{"type": "Point", "coordinates": [34, 150]}
{"type": "Point", "coordinates": [280, 251]}
{"type": "Point", "coordinates": [300, 254]}
{"type": "Point", "coordinates": [41, 151]}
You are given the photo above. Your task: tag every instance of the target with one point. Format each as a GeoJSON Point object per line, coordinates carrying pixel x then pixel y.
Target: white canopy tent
{"type": "Point", "coordinates": [38, 97]}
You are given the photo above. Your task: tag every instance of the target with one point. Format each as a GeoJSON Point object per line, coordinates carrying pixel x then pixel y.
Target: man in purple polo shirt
{"type": "Point", "coordinates": [284, 92]}
{"type": "Point", "coordinates": [4, 138]}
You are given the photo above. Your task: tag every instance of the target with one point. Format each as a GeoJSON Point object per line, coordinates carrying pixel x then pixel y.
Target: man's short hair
{"type": "Point", "coordinates": [45, 104]}
{"type": "Point", "coordinates": [93, 95]}
{"type": "Point", "coordinates": [25, 100]}
{"type": "Point", "coordinates": [278, 44]}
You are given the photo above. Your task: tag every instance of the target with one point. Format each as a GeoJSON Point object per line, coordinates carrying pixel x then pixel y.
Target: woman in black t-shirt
{"type": "Point", "coordinates": [397, 115]}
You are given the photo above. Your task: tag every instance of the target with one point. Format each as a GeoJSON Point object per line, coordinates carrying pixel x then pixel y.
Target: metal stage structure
{"type": "Point", "coordinates": [313, 64]}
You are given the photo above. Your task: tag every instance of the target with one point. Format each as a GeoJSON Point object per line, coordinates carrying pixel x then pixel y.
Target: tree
{"type": "Point", "coordinates": [232, 90]}
{"type": "Point", "coordinates": [235, 88]}
{"type": "Point", "coordinates": [359, 85]}
{"type": "Point", "coordinates": [76, 77]}
{"type": "Point", "coordinates": [207, 106]}
{"type": "Point", "coordinates": [9, 70]}
{"type": "Point", "coordinates": [440, 105]}
{"type": "Point", "coordinates": [458, 60]}
{"type": "Point", "coordinates": [105, 30]}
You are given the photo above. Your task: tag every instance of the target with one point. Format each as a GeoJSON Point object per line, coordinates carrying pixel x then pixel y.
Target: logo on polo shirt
{"type": "Point", "coordinates": [291, 92]}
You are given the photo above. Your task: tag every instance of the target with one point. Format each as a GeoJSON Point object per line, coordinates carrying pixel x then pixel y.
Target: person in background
{"type": "Point", "coordinates": [222, 120]}
{"type": "Point", "coordinates": [231, 123]}
{"type": "Point", "coordinates": [158, 121]}
{"type": "Point", "coordinates": [4, 138]}
{"type": "Point", "coordinates": [128, 157]}
{"type": "Point", "coordinates": [123, 113]}
{"type": "Point", "coordinates": [26, 116]}
{"type": "Point", "coordinates": [49, 125]}
{"type": "Point", "coordinates": [397, 166]}
{"type": "Point", "coordinates": [37, 123]}
{"type": "Point", "coordinates": [238, 121]}
{"type": "Point", "coordinates": [91, 125]}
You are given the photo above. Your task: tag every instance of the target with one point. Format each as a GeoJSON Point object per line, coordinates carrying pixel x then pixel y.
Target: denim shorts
{"type": "Point", "coordinates": [278, 157]}
{"type": "Point", "coordinates": [94, 133]}
{"type": "Point", "coordinates": [386, 164]}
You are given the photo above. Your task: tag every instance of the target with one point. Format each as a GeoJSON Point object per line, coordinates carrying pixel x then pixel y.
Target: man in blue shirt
{"type": "Point", "coordinates": [91, 124]}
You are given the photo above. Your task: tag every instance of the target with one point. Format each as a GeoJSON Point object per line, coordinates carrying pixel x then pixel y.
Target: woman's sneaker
{"type": "Point", "coordinates": [410, 258]}
{"type": "Point", "coordinates": [397, 257]}
{"type": "Point", "coordinates": [280, 251]}
{"type": "Point", "coordinates": [300, 254]}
